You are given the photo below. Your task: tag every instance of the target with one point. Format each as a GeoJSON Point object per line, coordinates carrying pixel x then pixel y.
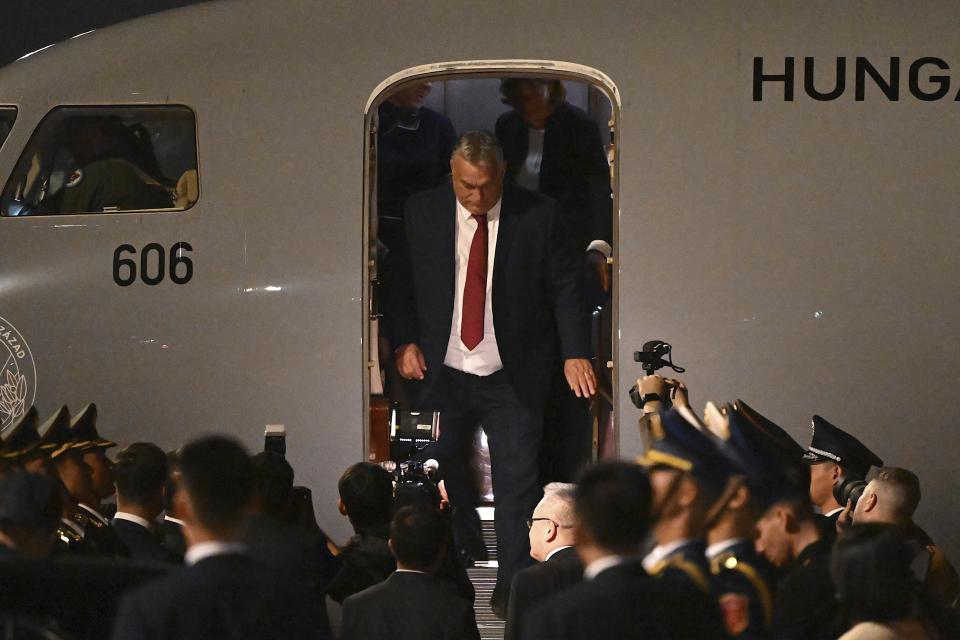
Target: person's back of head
{"type": "Point", "coordinates": [366, 494]}
{"type": "Point", "coordinates": [612, 503]}
{"type": "Point", "coordinates": [274, 483]}
{"type": "Point", "coordinates": [418, 537]}
{"type": "Point", "coordinates": [217, 483]}
{"type": "Point", "coordinates": [29, 512]}
{"type": "Point", "coordinates": [898, 494]}
{"type": "Point", "coordinates": [872, 573]}
{"type": "Point", "coordinates": [140, 473]}
{"type": "Point", "coordinates": [552, 523]}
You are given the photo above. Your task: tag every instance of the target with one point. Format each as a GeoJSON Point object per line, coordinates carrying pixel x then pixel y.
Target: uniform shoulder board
{"type": "Point", "coordinates": [75, 178]}
{"type": "Point", "coordinates": [85, 520]}
{"type": "Point", "coordinates": [70, 533]}
{"type": "Point", "coordinates": [692, 571]}
{"type": "Point", "coordinates": [730, 562]}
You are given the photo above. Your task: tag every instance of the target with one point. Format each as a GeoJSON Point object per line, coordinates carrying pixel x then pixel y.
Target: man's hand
{"type": "Point", "coordinates": [580, 377]}
{"type": "Point", "coordinates": [845, 519]}
{"type": "Point", "coordinates": [410, 362]}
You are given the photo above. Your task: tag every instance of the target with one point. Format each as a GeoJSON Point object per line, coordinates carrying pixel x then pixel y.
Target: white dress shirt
{"type": "Point", "coordinates": [717, 548]}
{"type": "Point", "coordinates": [660, 553]}
{"type": "Point", "coordinates": [597, 567]}
{"type": "Point", "coordinates": [205, 550]}
{"type": "Point", "coordinates": [485, 358]}
{"type": "Point", "coordinates": [528, 175]}
{"type": "Point", "coordinates": [130, 517]}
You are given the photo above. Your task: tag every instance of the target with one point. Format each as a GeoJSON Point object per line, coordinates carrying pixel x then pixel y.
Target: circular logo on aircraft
{"type": "Point", "coordinates": [18, 376]}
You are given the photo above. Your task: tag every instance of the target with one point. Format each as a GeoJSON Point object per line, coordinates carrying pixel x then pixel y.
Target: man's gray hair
{"type": "Point", "coordinates": [560, 496]}
{"type": "Point", "coordinates": [479, 147]}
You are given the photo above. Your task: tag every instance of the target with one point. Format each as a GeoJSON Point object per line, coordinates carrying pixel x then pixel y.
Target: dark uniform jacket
{"type": "Point", "coordinates": [536, 293]}
{"type": "Point", "coordinates": [805, 606]}
{"type": "Point", "coordinates": [142, 543]}
{"type": "Point", "coordinates": [685, 568]}
{"type": "Point", "coordinates": [408, 605]}
{"type": "Point", "coordinates": [223, 596]}
{"type": "Point", "coordinates": [562, 570]}
{"type": "Point", "coordinates": [622, 602]}
{"type": "Point", "coordinates": [363, 562]}
{"type": "Point", "coordinates": [740, 582]}
{"type": "Point", "coordinates": [574, 170]}
{"type": "Point", "coordinates": [87, 533]}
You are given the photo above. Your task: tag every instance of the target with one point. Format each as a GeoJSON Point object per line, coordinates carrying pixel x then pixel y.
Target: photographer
{"type": "Point", "coordinates": [366, 497]}
{"type": "Point", "coordinates": [891, 498]}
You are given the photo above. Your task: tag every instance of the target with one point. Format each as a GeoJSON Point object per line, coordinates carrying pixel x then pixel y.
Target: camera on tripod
{"type": "Point", "coordinates": [411, 433]}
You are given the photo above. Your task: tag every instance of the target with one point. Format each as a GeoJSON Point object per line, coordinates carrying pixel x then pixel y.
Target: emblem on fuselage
{"type": "Point", "coordinates": [18, 377]}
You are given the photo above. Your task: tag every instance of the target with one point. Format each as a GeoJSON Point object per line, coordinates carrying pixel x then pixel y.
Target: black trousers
{"type": "Point", "coordinates": [514, 435]}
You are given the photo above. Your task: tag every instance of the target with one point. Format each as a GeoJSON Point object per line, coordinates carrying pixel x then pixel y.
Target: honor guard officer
{"type": "Point", "coordinates": [98, 537]}
{"type": "Point", "coordinates": [17, 438]}
{"type": "Point", "coordinates": [740, 578]}
{"type": "Point", "coordinates": [23, 447]}
{"type": "Point", "coordinates": [835, 457]}
{"type": "Point", "coordinates": [789, 537]}
{"type": "Point", "coordinates": [83, 429]}
{"type": "Point", "coordinates": [688, 477]}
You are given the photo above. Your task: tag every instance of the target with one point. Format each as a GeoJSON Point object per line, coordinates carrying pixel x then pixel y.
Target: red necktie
{"type": "Point", "coordinates": [475, 288]}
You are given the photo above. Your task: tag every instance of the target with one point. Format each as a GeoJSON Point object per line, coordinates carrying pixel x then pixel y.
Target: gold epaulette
{"type": "Point", "coordinates": [70, 533]}
{"type": "Point", "coordinates": [693, 572]}
{"type": "Point", "coordinates": [730, 562]}
{"type": "Point", "coordinates": [85, 519]}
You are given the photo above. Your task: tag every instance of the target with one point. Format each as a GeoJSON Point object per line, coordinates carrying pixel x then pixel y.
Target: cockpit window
{"type": "Point", "coordinates": [106, 160]}
{"type": "Point", "coordinates": [7, 116]}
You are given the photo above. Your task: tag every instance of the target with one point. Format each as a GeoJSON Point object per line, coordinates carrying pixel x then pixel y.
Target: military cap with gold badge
{"type": "Point", "coordinates": [22, 440]}
{"type": "Point", "coordinates": [83, 429]}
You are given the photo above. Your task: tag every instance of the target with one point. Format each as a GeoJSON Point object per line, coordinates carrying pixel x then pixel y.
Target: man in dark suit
{"type": "Point", "coordinates": [171, 525]}
{"type": "Point", "coordinates": [140, 472]}
{"type": "Point", "coordinates": [476, 309]}
{"type": "Point", "coordinates": [617, 598]}
{"type": "Point", "coordinates": [551, 545]}
{"type": "Point", "coordinates": [222, 593]}
{"type": "Point", "coordinates": [411, 603]}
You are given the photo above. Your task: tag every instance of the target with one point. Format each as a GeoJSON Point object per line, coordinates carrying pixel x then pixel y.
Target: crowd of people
{"type": "Point", "coordinates": [723, 527]}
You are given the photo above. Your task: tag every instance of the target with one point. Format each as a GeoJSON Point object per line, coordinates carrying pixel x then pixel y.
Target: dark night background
{"type": "Point", "coordinates": [27, 25]}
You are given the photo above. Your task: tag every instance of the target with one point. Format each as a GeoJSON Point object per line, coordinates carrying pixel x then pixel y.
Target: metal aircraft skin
{"type": "Point", "coordinates": [799, 254]}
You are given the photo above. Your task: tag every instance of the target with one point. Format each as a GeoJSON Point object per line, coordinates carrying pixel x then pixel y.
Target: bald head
{"type": "Point", "coordinates": [552, 525]}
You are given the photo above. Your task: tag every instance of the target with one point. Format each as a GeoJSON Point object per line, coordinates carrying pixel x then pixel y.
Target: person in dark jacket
{"type": "Point", "coordinates": [555, 149]}
{"type": "Point", "coordinates": [412, 602]}
{"type": "Point", "coordinates": [223, 592]}
{"type": "Point", "coordinates": [140, 473]}
{"type": "Point", "coordinates": [366, 494]}
{"type": "Point", "coordinates": [551, 545]}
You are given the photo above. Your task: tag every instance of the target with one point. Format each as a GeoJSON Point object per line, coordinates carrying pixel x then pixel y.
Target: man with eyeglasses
{"type": "Point", "coordinates": [551, 545]}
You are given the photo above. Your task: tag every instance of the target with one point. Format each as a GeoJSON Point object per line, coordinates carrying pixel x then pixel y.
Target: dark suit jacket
{"type": "Point", "coordinates": [574, 171]}
{"type": "Point", "coordinates": [806, 605]}
{"type": "Point", "coordinates": [363, 562]}
{"type": "Point", "coordinates": [80, 593]}
{"type": "Point", "coordinates": [142, 543]}
{"type": "Point", "coordinates": [299, 553]}
{"type": "Point", "coordinates": [537, 289]}
{"type": "Point", "coordinates": [621, 602]}
{"type": "Point", "coordinates": [540, 581]}
{"type": "Point", "coordinates": [171, 538]}
{"type": "Point", "coordinates": [408, 605]}
{"type": "Point", "coordinates": [225, 596]}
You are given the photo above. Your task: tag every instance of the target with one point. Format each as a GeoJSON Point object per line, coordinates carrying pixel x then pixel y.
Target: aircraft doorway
{"type": "Point", "coordinates": [412, 121]}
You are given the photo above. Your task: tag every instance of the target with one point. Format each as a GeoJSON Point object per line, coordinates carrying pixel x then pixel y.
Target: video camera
{"type": "Point", "coordinates": [411, 433]}
{"type": "Point", "coordinates": [655, 355]}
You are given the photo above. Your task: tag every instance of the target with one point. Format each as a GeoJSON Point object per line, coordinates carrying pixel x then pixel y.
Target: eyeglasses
{"type": "Point", "coordinates": [530, 522]}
